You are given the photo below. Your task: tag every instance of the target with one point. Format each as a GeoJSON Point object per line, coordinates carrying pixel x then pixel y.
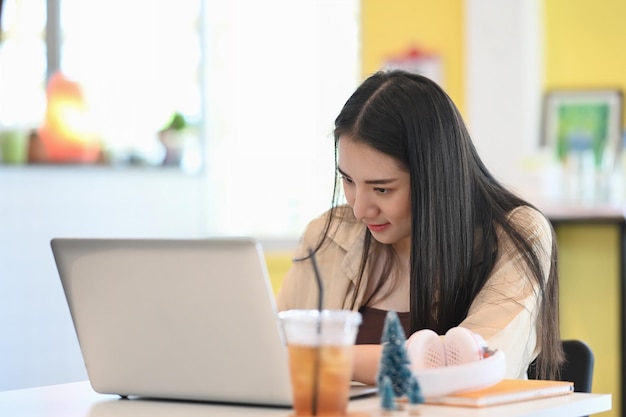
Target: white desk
{"type": "Point", "coordinates": [79, 400]}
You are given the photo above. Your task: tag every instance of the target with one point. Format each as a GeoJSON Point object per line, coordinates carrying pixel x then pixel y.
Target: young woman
{"type": "Point", "coordinates": [427, 232]}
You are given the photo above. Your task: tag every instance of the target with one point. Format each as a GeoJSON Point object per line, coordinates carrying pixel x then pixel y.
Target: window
{"type": "Point", "coordinates": [278, 72]}
{"type": "Point", "coordinates": [22, 63]}
{"type": "Point", "coordinates": [137, 63]}
{"type": "Point", "coordinates": [261, 81]}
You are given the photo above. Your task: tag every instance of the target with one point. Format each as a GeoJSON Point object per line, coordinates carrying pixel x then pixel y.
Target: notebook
{"type": "Point", "coordinates": [506, 391]}
{"type": "Point", "coordinates": [188, 319]}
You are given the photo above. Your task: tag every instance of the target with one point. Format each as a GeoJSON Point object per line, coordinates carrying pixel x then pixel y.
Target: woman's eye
{"type": "Point", "coordinates": [381, 190]}
{"type": "Point", "coordinates": [346, 179]}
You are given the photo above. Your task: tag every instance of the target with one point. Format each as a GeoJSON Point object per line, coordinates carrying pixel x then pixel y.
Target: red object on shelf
{"type": "Point", "coordinates": [418, 61]}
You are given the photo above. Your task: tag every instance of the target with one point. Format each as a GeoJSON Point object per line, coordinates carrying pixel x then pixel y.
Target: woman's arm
{"type": "Point", "coordinates": [505, 311]}
{"type": "Point", "coordinates": [366, 360]}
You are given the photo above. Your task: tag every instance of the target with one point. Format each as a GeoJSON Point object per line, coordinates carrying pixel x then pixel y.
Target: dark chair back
{"type": "Point", "coordinates": [578, 366]}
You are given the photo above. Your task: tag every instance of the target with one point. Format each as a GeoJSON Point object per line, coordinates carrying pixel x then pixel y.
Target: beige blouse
{"type": "Point", "coordinates": [504, 313]}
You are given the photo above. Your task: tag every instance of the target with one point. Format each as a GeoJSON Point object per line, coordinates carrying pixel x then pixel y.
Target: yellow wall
{"type": "Point", "coordinates": [590, 304]}
{"type": "Point", "coordinates": [278, 263]}
{"type": "Point", "coordinates": [584, 46]}
{"type": "Point", "coordinates": [585, 43]}
{"type": "Point", "coordinates": [391, 28]}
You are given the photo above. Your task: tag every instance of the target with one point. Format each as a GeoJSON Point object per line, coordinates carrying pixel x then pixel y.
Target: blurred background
{"type": "Point", "coordinates": [195, 118]}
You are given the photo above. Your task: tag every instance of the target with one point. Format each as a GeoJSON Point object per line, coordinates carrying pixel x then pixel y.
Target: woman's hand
{"type": "Point", "coordinates": [366, 361]}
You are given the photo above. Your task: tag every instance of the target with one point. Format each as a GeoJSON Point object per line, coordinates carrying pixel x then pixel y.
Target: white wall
{"type": "Point", "coordinates": [37, 341]}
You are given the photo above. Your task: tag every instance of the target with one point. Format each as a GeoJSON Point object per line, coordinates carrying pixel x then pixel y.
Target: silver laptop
{"type": "Point", "coordinates": [190, 319]}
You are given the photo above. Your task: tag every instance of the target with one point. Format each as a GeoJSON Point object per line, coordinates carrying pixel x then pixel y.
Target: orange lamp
{"type": "Point", "coordinates": [66, 133]}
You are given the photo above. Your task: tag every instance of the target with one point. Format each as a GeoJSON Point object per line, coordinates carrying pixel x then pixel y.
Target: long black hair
{"type": "Point", "coordinates": [457, 205]}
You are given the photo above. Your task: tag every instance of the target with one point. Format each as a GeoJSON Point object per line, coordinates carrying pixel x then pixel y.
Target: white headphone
{"type": "Point", "coordinates": [458, 361]}
{"type": "Point", "coordinates": [458, 346]}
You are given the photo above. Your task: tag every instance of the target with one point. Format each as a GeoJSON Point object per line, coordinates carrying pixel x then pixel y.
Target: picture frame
{"type": "Point", "coordinates": [577, 121]}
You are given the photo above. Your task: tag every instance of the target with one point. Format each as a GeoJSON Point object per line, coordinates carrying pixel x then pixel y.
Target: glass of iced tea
{"type": "Point", "coordinates": [320, 359]}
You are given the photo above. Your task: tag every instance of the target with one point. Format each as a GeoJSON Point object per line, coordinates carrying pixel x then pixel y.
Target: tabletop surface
{"type": "Point", "coordinates": [79, 400]}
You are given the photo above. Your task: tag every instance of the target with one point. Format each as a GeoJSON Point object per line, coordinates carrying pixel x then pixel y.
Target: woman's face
{"type": "Point", "coordinates": [378, 190]}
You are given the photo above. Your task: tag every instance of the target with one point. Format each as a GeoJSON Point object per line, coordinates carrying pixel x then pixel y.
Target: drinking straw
{"type": "Point", "coordinates": [320, 287]}
{"type": "Point", "coordinates": [320, 304]}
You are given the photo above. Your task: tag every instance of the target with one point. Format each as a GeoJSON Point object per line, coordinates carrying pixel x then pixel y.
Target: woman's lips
{"type": "Point", "coordinates": [377, 227]}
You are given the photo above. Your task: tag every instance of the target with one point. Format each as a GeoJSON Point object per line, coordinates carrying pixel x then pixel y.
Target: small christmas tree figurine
{"type": "Point", "coordinates": [415, 396]}
{"type": "Point", "coordinates": [394, 362]}
{"type": "Point", "coordinates": [388, 402]}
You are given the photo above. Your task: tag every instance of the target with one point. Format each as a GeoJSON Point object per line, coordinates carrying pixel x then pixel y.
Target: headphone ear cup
{"type": "Point", "coordinates": [462, 346]}
{"type": "Point", "coordinates": [425, 349]}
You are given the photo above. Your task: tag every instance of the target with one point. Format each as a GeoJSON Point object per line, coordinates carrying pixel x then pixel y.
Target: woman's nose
{"type": "Point", "coordinates": [362, 207]}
